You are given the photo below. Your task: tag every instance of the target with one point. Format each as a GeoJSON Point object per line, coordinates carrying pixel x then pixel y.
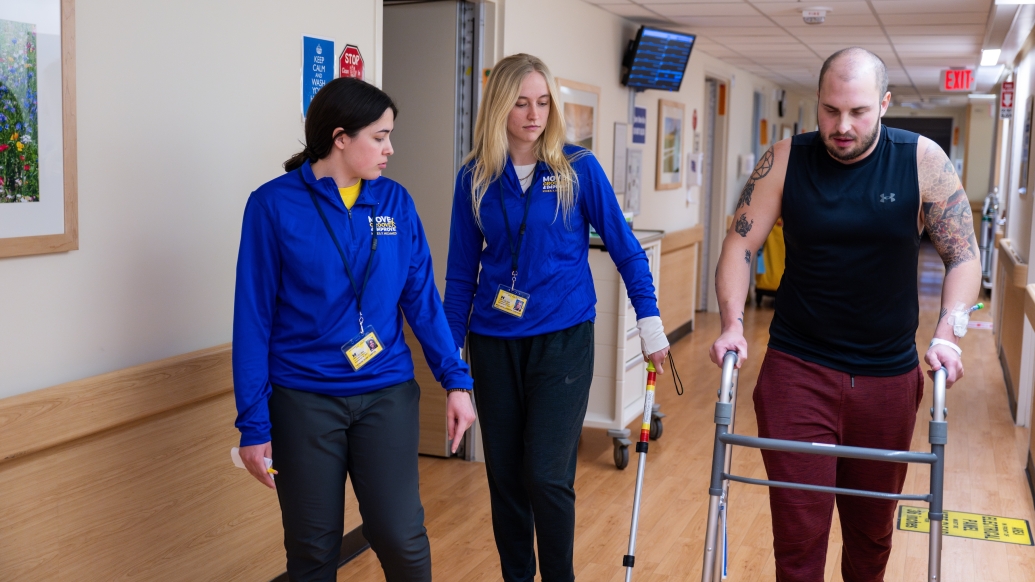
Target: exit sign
{"type": "Point", "coordinates": [958, 80]}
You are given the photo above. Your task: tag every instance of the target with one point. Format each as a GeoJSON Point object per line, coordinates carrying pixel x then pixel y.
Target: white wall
{"type": "Point", "coordinates": [1019, 208]}
{"type": "Point", "coordinates": [183, 109]}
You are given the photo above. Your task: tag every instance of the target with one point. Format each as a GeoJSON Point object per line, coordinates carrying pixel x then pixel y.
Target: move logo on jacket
{"type": "Point", "coordinates": [385, 225]}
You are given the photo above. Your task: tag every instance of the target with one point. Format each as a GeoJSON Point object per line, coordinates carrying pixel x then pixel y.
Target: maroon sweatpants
{"type": "Point", "coordinates": [802, 401]}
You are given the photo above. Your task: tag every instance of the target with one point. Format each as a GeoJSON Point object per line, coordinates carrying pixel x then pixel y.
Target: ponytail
{"type": "Point", "coordinates": [346, 103]}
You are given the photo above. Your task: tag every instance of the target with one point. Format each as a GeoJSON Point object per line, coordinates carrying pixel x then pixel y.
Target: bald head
{"type": "Point", "coordinates": [853, 62]}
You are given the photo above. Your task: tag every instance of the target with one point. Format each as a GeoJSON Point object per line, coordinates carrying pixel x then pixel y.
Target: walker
{"type": "Point", "coordinates": [715, 555]}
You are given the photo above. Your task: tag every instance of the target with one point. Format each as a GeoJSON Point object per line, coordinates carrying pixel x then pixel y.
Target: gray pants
{"type": "Point", "coordinates": [373, 437]}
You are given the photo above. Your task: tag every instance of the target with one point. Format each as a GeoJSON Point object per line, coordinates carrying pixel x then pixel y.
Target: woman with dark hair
{"type": "Point", "coordinates": [332, 256]}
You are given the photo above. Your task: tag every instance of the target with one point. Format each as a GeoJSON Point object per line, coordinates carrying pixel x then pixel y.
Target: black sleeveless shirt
{"type": "Point", "coordinates": [848, 299]}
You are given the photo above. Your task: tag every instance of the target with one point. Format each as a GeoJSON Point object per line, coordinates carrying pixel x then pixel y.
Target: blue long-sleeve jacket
{"type": "Point", "coordinates": [553, 265]}
{"type": "Point", "coordinates": [294, 307]}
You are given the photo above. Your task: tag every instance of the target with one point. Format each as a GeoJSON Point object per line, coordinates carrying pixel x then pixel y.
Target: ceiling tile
{"type": "Point", "coordinates": [937, 30]}
{"type": "Point", "coordinates": [893, 20]}
{"type": "Point", "coordinates": [930, 6]}
{"type": "Point", "coordinates": [733, 21]}
{"type": "Point", "coordinates": [784, 8]}
{"type": "Point", "coordinates": [629, 10]}
{"type": "Point", "coordinates": [832, 19]}
{"type": "Point", "coordinates": [766, 28]}
{"type": "Point", "coordinates": [703, 9]}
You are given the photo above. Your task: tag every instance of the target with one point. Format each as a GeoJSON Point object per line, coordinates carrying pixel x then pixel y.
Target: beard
{"type": "Point", "coordinates": [855, 152]}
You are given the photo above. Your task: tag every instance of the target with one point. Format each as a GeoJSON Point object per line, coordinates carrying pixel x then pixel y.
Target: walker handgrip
{"type": "Point", "coordinates": [729, 363]}
{"type": "Point", "coordinates": [938, 414]}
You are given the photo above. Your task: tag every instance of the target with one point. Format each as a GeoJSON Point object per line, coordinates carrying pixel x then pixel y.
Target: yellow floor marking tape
{"type": "Point", "coordinates": [968, 525]}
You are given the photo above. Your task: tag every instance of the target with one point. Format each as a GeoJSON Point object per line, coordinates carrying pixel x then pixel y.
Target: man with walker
{"type": "Point", "coordinates": [842, 366]}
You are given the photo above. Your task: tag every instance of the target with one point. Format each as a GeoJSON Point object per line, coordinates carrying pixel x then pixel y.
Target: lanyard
{"type": "Point", "coordinates": [348, 270]}
{"type": "Point", "coordinates": [515, 249]}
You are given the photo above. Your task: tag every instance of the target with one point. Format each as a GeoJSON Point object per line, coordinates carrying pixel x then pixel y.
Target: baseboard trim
{"type": "Point", "coordinates": [352, 545]}
{"type": "Point", "coordinates": [1030, 470]}
{"type": "Point", "coordinates": [680, 332]}
{"type": "Point", "coordinates": [1008, 383]}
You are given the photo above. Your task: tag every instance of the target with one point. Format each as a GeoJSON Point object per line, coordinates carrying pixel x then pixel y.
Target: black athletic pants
{"type": "Point", "coordinates": [373, 437]}
{"type": "Point", "coordinates": [531, 395]}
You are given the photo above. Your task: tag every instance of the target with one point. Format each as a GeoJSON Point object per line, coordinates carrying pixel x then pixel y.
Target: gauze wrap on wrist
{"type": "Point", "coordinates": [652, 334]}
{"type": "Point", "coordinates": [958, 319]}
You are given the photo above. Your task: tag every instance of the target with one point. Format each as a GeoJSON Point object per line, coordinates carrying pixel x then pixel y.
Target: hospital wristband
{"type": "Point", "coordinates": [941, 342]}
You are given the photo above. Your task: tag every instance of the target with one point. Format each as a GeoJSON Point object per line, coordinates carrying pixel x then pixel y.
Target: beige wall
{"type": "Point", "coordinates": [183, 109]}
{"type": "Point", "coordinates": [980, 148]}
{"type": "Point", "coordinates": [591, 53]}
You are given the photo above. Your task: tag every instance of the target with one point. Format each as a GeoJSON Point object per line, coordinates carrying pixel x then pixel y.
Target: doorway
{"type": "Point", "coordinates": [713, 184]}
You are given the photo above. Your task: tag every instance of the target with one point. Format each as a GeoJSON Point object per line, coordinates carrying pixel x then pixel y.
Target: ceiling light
{"type": "Point", "coordinates": [1015, 1]}
{"type": "Point", "coordinates": [981, 96]}
{"type": "Point", "coordinates": [989, 57]}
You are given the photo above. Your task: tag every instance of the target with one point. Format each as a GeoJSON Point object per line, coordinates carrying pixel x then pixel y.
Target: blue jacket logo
{"type": "Point", "coordinates": [385, 226]}
{"type": "Point", "coordinates": [549, 183]}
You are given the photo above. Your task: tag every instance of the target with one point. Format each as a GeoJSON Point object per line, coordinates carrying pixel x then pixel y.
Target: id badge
{"type": "Point", "coordinates": [363, 348]}
{"type": "Point", "coordinates": [511, 301]}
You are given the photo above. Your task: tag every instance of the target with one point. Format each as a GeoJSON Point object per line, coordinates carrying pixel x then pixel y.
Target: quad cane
{"type": "Point", "coordinates": [712, 570]}
{"type": "Point", "coordinates": [641, 450]}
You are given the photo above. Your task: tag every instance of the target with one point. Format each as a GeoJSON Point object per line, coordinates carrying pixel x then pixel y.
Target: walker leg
{"type": "Point", "coordinates": [723, 418]}
{"type": "Point", "coordinates": [938, 435]}
{"type": "Point", "coordinates": [710, 538]}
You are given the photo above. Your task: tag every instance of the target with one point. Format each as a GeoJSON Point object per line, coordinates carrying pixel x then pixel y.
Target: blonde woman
{"type": "Point", "coordinates": [522, 208]}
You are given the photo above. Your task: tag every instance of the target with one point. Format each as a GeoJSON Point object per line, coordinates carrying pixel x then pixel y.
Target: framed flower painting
{"type": "Point", "coordinates": [38, 188]}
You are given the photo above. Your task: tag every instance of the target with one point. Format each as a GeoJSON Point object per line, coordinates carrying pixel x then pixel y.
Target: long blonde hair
{"type": "Point", "coordinates": [490, 149]}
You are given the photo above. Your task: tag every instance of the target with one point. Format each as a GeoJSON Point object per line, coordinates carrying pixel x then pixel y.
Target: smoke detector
{"type": "Point", "coordinates": [815, 15]}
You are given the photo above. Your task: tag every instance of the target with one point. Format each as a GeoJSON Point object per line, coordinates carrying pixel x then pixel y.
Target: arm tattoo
{"type": "Point", "coordinates": [951, 226]}
{"type": "Point", "coordinates": [947, 215]}
{"type": "Point", "coordinates": [942, 315]}
{"type": "Point", "coordinates": [747, 257]}
{"type": "Point", "coordinates": [745, 195]}
{"type": "Point", "coordinates": [743, 227]}
{"type": "Point", "coordinates": [765, 165]}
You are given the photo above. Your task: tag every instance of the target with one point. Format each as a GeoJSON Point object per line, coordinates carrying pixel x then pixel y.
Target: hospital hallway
{"type": "Point", "coordinates": [985, 474]}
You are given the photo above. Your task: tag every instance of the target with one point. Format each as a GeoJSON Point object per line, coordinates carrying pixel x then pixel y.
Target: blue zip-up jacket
{"type": "Point", "coordinates": [294, 307]}
{"type": "Point", "coordinates": [553, 264]}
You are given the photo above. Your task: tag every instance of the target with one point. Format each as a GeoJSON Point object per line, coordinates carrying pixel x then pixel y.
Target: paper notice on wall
{"type": "Point", "coordinates": [633, 179]}
{"type": "Point", "coordinates": [618, 164]}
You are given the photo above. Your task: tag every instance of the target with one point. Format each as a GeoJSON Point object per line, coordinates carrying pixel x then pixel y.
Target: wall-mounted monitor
{"type": "Point", "coordinates": [656, 59]}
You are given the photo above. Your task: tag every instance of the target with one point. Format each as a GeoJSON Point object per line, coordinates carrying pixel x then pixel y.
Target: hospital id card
{"type": "Point", "coordinates": [363, 348]}
{"type": "Point", "coordinates": [511, 301]}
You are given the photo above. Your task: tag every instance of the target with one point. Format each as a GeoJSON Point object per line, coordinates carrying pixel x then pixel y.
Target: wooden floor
{"type": "Point", "coordinates": [984, 474]}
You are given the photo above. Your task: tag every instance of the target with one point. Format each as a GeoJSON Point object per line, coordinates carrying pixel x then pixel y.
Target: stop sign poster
{"type": "Point", "coordinates": [317, 67]}
{"type": "Point", "coordinates": [350, 63]}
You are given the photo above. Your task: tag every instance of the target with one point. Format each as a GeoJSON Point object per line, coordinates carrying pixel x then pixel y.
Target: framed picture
{"type": "Point", "coordinates": [669, 171]}
{"type": "Point", "coordinates": [1022, 183]}
{"type": "Point", "coordinates": [38, 199]}
{"type": "Point", "coordinates": [580, 105]}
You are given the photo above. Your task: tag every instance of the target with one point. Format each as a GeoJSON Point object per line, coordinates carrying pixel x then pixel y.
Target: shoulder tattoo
{"type": "Point", "coordinates": [762, 169]}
